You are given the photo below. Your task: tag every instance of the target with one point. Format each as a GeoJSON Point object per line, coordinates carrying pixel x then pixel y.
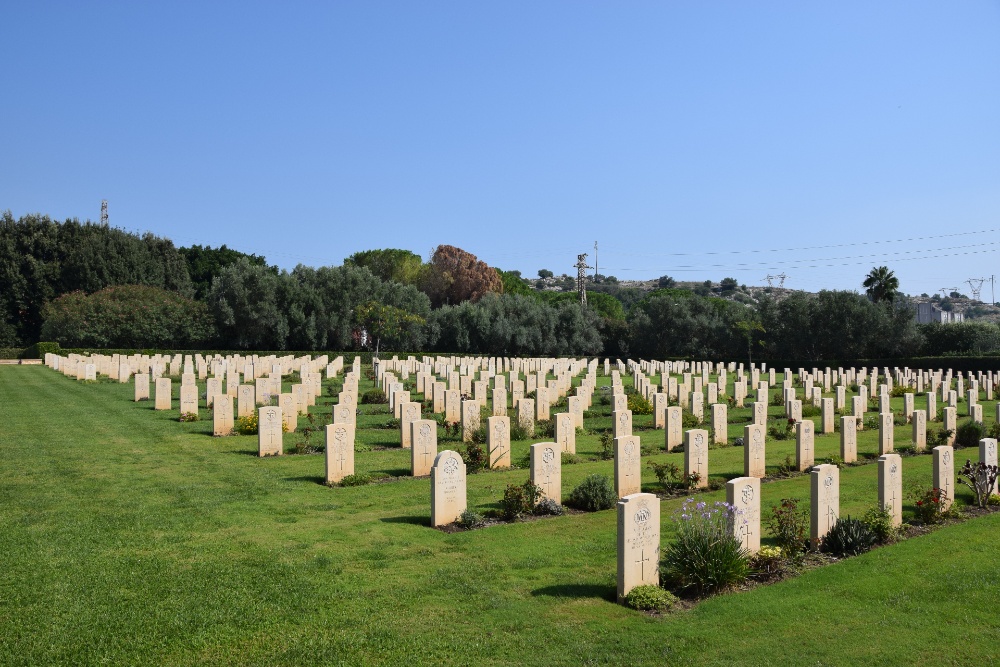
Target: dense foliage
{"type": "Point", "coordinates": [390, 300]}
{"type": "Point", "coordinates": [41, 259]}
{"type": "Point", "coordinates": [127, 316]}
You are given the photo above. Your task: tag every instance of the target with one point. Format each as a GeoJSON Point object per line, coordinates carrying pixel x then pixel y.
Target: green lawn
{"type": "Point", "coordinates": [127, 537]}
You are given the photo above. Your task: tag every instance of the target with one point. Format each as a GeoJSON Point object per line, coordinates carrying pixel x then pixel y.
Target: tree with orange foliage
{"type": "Point", "coordinates": [455, 276]}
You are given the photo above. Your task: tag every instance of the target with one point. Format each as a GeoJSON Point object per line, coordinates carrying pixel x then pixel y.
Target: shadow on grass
{"type": "Point", "coordinates": [395, 472]}
{"type": "Point", "coordinates": [314, 479]}
{"type": "Point", "coordinates": [577, 591]}
{"type": "Point", "coordinates": [412, 520]}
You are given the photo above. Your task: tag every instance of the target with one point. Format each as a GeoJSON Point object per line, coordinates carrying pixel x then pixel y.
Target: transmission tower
{"type": "Point", "coordinates": [946, 291]}
{"type": "Point", "coordinates": [976, 287]}
{"type": "Point", "coordinates": [104, 212]}
{"type": "Point", "coordinates": [581, 277]}
{"type": "Point", "coordinates": [781, 277]}
{"type": "Point", "coordinates": [595, 259]}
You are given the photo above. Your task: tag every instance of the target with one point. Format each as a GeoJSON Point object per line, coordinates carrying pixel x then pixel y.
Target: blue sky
{"type": "Point", "coordinates": [693, 139]}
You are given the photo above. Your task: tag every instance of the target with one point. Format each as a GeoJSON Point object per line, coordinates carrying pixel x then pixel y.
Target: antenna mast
{"type": "Point", "coordinates": [104, 212]}
{"type": "Point", "coordinates": [581, 277]}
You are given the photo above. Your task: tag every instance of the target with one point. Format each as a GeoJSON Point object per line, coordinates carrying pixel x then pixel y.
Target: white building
{"type": "Point", "coordinates": [928, 312]}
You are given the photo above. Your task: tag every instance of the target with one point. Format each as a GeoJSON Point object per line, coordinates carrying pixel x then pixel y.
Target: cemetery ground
{"type": "Point", "coordinates": [128, 537]}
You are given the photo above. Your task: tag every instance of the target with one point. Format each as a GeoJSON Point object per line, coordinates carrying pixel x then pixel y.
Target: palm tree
{"type": "Point", "coordinates": [881, 284]}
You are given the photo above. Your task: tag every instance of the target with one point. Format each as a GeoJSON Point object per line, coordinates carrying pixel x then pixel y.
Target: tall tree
{"type": "Point", "coordinates": [390, 265]}
{"type": "Point", "coordinates": [205, 262]}
{"type": "Point", "coordinates": [881, 284]}
{"type": "Point", "coordinates": [456, 276]}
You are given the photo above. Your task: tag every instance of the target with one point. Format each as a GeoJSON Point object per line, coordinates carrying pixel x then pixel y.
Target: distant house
{"type": "Point", "coordinates": [928, 312]}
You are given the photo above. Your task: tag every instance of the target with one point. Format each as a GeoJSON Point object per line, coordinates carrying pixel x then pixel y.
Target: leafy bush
{"type": "Point", "coordinates": [247, 425]}
{"type": "Point", "coordinates": [359, 479]}
{"type": "Point", "coordinates": [787, 467]}
{"type": "Point", "coordinates": [788, 524]}
{"type": "Point", "coordinates": [688, 421]}
{"type": "Point", "coordinates": [968, 434]}
{"type": "Point", "coordinates": [549, 506]}
{"type": "Point", "coordinates": [706, 556]}
{"type": "Point", "coordinates": [879, 522]}
{"type": "Point", "coordinates": [900, 389]}
{"type": "Point", "coordinates": [607, 446]}
{"type": "Point", "coordinates": [768, 563]}
{"type": "Point", "coordinates": [810, 410]}
{"type": "Point", "coordinates": [593, 494]}
{"type": "Point", "coordinates": [374, 396]}
{"type": "Point", "coordinates": [39, 350]}
{"type": "Point", "coordinates": [929, 506]}
{"type": "Point", "coordinates": [474, 456]}
{"type": "Point", "coordinates": [782, 430]}
{"type": "Point", "coordinates": [650, 598]}
{"type": "Point", "coordinates": [638, 404]}
{"type": "Point", "coordinates": [189, 417]}
{"type": "Point", "coordinates": [668, 474]}
{"type": "Point", "coordinates": [519, 499]}
{"type": "Point", "coordinates": [849, 537]}
{"type": "Point", "coordinates": [470, 519]}
{"type": "Point", "coordinates": [569, 459]}
{"type": "Point", "coordinates": [981, 478]}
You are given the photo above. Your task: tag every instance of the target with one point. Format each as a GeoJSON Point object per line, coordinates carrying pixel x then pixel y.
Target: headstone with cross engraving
{"type": "Point", "coordinates": [825, 505]}
{"type": "Point", "coordinates": [408, 413]}
{"type": "Point", "coordinates": [943, 472]}
{"type": "Point", "coordinates": [697, 403]}
{"type": "Point", "coordinates": [470, 420]}
{"type": "Point", "coordinates": [628, 465]}
{"type": "Point", "coordinates": [566, 432]}
{"type": "Point", "coordinates": [453, 406]}
{"type": "Point", "coordinates": [621, 423]}
{"type": "Point", "coordinates": [886, 432]}
{"type": "Point", "coordinates": [290, 412]}
{"type": "Point", "coordinates": [674, 435]}
{"type": "Point", "coordinates": [805, 449]}
{"type": "Point", "coordinates": [164, 393]}
{"type": "Point", "coordinates": [222, 415]}
{"type": "Point", "coordinates": [760, 414]}
{"type": "Point", "coordinates": [546, 470]}
{"type": "Point", "coordinates": [988, 456]}
{"type": "Point", "coordinates": [498, 441]}
{"type": "Point", "coordinates": [949, 422]}
{"type": "Point", "coordinates": [525, 409]}
{"type": "Point", "coordinates": [720, 425]}
{"type": "Point", "coordinates": [189, 399]}
{"type": "Point", "coordinates": [743, 494]}
{"type": "Point", "coordinates": [448, 490]}
{"type": "Point", "coordinates": [638, 542]}
{"type": "Point", "coordinates": [890, 486]}
{"type": "Point", "coordinates": [142, 386]}
{"type": "Point", "coordinates": [339, 452]}
{"type": "Point", "coordinates": [827, 415]}
{"type": "Point", "coordinates": [423, 437]}
{"type": "Point", "coordinates": [696, 457]}
{"type": "Point", "coordinates": [269, 435]}
{"type": "Point", "coordinates": [849, 439]}
{"type": "Point", "coordinates": [753, 451]}
{"type": "Point", "coordinates": [246, 398]}
{"type": "Point", "coordinates": [499, 402]}
{"type": "Point", "coordinates": [919, 420]}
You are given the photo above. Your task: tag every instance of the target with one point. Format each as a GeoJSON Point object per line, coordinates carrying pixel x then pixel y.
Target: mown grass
{"type": "Point", "coordinates": [130, 538]}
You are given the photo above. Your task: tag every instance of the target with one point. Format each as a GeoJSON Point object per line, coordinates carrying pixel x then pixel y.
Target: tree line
{"type": "Point", "coordinates": [90, 285]}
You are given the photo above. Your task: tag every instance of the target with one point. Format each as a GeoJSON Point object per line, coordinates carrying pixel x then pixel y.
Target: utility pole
{"type": "Point", "coordinates": [595, 260]}
{"type": "Point", "coordinates": [581, 277]}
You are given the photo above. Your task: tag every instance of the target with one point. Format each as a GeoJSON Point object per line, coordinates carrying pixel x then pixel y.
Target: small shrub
{"type": "Point", "coordinates": [969, 434]}
{"type": "Point", "coordinates": [593, 494]}
{"type": "Point", "coordinates": [688, 421]}
{"type": "Point", "coordinates": [638, 404]}
{"type": "Point", "coordinates": [810, 410]}
{"type": "Point", "coordinates": [836, 460]}
{"type": "Point", "coordinates": [470, 519]}
{"type": "Point", "coordinates": [938, 437]}
{"type": "Point", "coordinates": [928, 506]}
{"type": "Point", "coordinates": [705, 556]}
{"type": "Point", "coordinates": [475, 458]}
{"type": "Point", "coordinates": [788, 524]}
{"type": "Point", "coordinates": [849, 537]}
{"type": "Point", "coordinates": [569, 459]}
{"type": "Point", "coordinates": [519, 499]}
{"type": "Point", "coordinates": [782, 430]}
{"type": "Point", "coordinates": [667, 474]}
{"type": "Point", "coordinates": [548, 506]}
{"type": "Point", "coordinates": [787, 467]}
{"type": "Point", "coordinates": [373, 397]}
{"type": "Point", "coordinates": [768, 563]}
{"type": "Point", "coordinates": [518, 432]}
{"type": "Point", "coordinates": [189, 416]}
{"type": "Point", "coordinates": [247, 425]}
{"type": "Point", "coordinates": [650, 598]}
{"type": "Point", "coordinates": [879, 522]}
{"type": "Point", "coordinates": [607, 446]}
{"type": "Point", "coordinates": [545, 429]}
{"type": "Point", "coordinates": [900, 389]}
{"type": "Point", "coordinates": [994, 500]}
{"type": "Point", "coordinates": [979, 477]}
{"type": "Point", "coordinates": [359, 479]}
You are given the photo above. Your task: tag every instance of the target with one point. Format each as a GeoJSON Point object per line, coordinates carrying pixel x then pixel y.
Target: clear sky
{"type": "Point", "coordinates": [693, 139]}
